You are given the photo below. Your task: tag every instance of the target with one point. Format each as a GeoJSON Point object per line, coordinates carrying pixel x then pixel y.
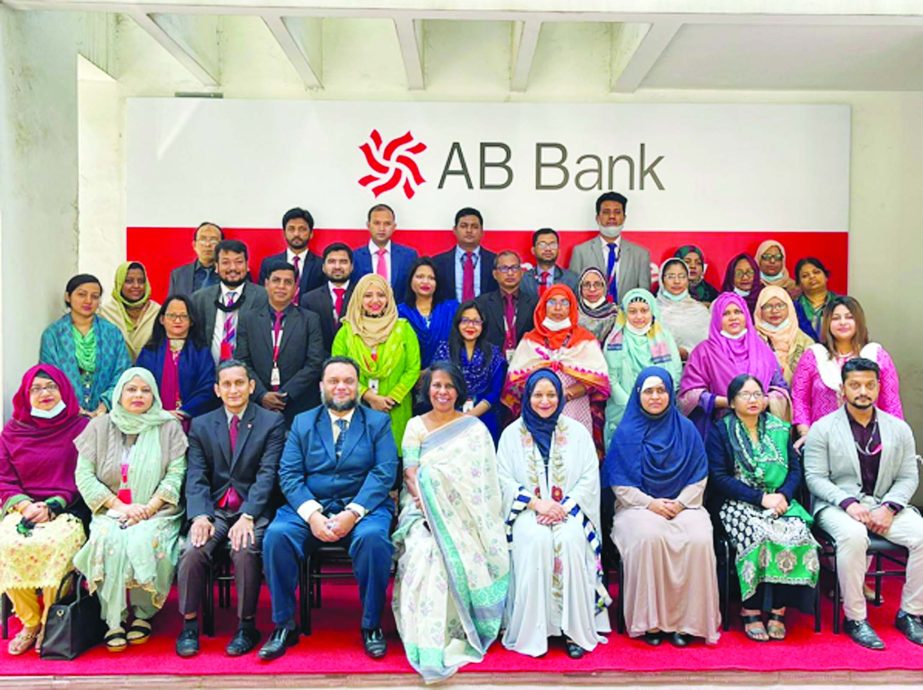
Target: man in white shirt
{"type": "Point", "coordinates": [218, 307]}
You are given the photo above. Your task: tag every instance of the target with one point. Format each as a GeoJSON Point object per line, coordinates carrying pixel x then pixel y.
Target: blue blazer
{"type": "Point", "coordinates": [196, 375]}
{"type": "Point", "coordinates": [402, 259]}
{"type": "Point", "coordinates": [309, 471]}
{"type": "Point", "coordinates": [445, 273]}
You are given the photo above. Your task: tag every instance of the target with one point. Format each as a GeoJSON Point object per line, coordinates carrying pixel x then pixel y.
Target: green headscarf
{"type": "Point", "coordinates": [632, 352]}
{"type": "Point", "coordinates": [121, 273]}
{"type": "Point", "coordinates": [145, 471]}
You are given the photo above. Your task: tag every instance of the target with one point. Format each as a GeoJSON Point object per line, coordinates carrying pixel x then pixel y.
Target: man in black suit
{"type": "Point", "coordinates": [232, 462]}
{"type": "Point", "coordinates": [465, 271]}
{"type": "Point", "coordinates": [186, 279]}
{"type": "Point", "coordinates": [330, 300]}
{"type": "Point", "coordinates": [509, 310]}
{"type": "Point", "coordinates": [297, 228]}
{"type": "Point", "coordinates": [282, 346]}
{"type": "Point", "coordinates": [219, 307]}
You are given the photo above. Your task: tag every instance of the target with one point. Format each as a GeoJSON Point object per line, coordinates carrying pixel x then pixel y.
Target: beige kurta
{"type": "Point", "coordinates": [669, 565]}
{"type": "Point", "coordinates": [137, 336]}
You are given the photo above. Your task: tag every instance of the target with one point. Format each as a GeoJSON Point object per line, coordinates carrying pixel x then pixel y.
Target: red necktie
{"type": "Point", "coordinates": [509, 317]}
{"type": "Point", "coordinates": [296, 262]}
{"type": "Point", "coordinates": [544, 284]}
{"type": "Point", "coordinates": [382, 267]}
{"type": "Point", "coordinates": [231, 499]}
{"type": "Point", "coordinates": [338, 301]}
{"type": "Point", "coordinates": [468, 277]}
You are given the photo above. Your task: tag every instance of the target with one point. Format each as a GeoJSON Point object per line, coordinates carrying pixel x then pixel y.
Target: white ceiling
{"type": "Point", "coordinates": [520, 45]}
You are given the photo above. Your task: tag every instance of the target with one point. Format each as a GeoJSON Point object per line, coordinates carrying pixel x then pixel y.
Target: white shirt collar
{"type": "Point", "coordinates": [373, 248]}
{"type": "Point", "coordinates": [606, 243]}
{"type": "Point", "coordinates": [348, 416]}
{"type": "Point", "coordinates": [238, 291]}
{"type": "Point", "coordinates": [290, 256]}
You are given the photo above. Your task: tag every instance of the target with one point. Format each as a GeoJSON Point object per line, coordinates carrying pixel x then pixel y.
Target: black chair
{"type": "Point", "coordinates": [726, 555]}
{"type": "Point", "coordinates": [880, 548]}
{"type": "Point", "coordinates": [221, 574]}
{"type": "Point", "coordinates": [6, 609]}
{"type": "Point", "coordinates": [313, 575]}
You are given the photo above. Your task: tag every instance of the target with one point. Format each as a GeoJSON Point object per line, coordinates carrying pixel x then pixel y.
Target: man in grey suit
{"type": "Point", "coordinates": [232, 463]}
{"type": "Point", "coordinates": [861, 466]}
{"type": "Point", "coordinates": [546, 248]}
{"type": "Point", "coordinates": [625, 264]}
{"type": "Point", "coordinates": [186, 279]}
{"type": "Point", "coordinates": [283, 346]}
{"type": "Point", "coordinates": [218, 307]}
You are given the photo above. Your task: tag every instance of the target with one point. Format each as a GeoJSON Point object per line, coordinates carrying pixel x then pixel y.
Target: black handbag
{"type": "Point", "coordinates": [73, 624]}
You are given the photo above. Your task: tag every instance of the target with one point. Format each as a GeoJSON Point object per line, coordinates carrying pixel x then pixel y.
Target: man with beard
{"type": "Point", "coordinates": [546, 248]}
{"type": "Point", "coordinates": [282, 346]}
{"type": "Point", "coordinates": [297, 228]}
{"type": "Point", "coordinates": [626, 265]}
{"type": "Point", "coordinates": [329, 301]}
{"type": "Point", "coordinates": [861, 466]}
{"type": "Point", "coordinates": [338, 465]}
{"type": "Point", "coordinates": [218, 307]}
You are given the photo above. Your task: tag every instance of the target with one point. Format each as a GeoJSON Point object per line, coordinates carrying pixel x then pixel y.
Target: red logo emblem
{"type": "Point", "coordinates": [392, 164]}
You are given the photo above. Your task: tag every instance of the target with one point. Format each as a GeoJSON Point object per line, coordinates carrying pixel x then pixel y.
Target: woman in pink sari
{"type": "Point", "coordinates": [733, 347]}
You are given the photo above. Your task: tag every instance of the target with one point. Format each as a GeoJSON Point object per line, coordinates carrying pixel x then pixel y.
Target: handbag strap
{"type": "Point", "coordinates": [77, 578]}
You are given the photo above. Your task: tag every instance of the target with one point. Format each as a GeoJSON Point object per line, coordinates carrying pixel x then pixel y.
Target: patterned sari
{"type": "Point", "coordinates": [453, 565]}
{"type": "Point", "coordinates": [769, 549]}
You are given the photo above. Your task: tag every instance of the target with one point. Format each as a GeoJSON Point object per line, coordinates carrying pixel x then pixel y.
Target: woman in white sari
{"type": "Point", "coordinates": [684, 317]}
{"type": "Point", "coordinates": [549, 475]}
{"type": "Point", "coordinates": [453, 565]}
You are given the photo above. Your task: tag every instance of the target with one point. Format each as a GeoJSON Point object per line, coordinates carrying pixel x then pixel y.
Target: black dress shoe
{"type": "Point", "coordinates": [281, 639]}
{"type": "Point", "coordinates": [574, 650]}
{"type": "Point", "coordinates": [862, 633]}
{"type": "Point", "coordinates": [374, 642]}
{"type": "Point", "coordinates": [187, 644]}
{"type": "Point", "coordinates": [680, 640]}
{"type": "Point", "coordinates": [244, 640]}
{"type": "Point", "coordinates": [653, 638]}
{"type": "Point", "coordinates": [911, 626]}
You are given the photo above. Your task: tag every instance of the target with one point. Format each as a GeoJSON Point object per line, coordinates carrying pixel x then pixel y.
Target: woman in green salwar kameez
{"type": "Point", "coordinates": [130, 468]}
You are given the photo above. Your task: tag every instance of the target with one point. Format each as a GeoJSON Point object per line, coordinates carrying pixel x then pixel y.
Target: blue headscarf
{"type": "Point", "coordinates": [540, 427]}
{"type": "Point", "coordinates": [659, 455]}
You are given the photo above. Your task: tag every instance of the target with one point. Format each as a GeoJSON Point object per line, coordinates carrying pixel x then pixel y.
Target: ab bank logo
{"type": "Point", "coordinates": [393, 164]}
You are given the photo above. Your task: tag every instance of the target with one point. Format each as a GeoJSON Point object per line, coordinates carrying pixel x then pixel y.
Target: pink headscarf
{"type": "Point", "coordinates": [715, 362]}
{"type": "Point", "coordinates": [40, 457]}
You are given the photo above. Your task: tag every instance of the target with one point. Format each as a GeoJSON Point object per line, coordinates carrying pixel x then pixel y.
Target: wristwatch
{"type": "Point", "coordinates": [247, 516]}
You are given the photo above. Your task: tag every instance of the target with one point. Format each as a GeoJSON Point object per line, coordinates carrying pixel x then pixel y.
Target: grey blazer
{"type": "Point", "coordinates": [530, 280]}
{"type": "Point", "coordinates": [634, 267]}
{"type": "Point", "coordinates": [203, 302]}
{"type": "Point", "coordinates": [831, 462]}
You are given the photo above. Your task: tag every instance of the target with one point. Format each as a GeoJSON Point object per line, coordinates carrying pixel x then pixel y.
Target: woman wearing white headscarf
{"type": "Point", "coordinates": [684, 317]}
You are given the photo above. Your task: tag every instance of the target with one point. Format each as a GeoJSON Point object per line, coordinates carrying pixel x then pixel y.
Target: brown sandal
{"type": "Point", "coordinates": [24, 640]}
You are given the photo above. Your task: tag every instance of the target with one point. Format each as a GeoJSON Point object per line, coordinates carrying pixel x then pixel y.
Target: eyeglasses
{"type": "Point", "coordinates": [771, 257]}
{"type": "Point", "coordinates": [546, 245]}
{"type": "Point", "coordinates": [774, 306]}
{"type": "Point", "coordinates": [563, 303]}
{"type": "Point", "coordinates": [744, 274]}
{"type": "Point", "coordinates": [758, 395]}
{"type": "Point", "coordinates": [506, 270]}
{"type": "Point", "coordinates": [208, 240]}
{"type": "Point", "coordinates": [593, 285]}
{"type": "Point", "coordinates": [471, 322]}
{"type": "Point", "coordinates": [674, 276]}
{"type": "Point", "coordinates": [176, 317]}
{"type": "Point", "coordinates": [47, 388]}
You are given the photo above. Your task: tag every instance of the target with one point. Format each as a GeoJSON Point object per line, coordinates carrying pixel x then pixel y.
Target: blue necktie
{"type": "Point", "coordinates": [341, 438]}
{"type": "Point", "coordinates": [610, 273]}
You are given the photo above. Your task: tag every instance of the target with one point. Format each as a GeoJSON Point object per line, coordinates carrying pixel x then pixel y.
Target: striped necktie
{"type": "Point", "coordinates": [230, 329]}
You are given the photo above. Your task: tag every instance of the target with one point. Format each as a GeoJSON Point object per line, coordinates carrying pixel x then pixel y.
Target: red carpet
{"type": "Point", "coordinates": [335, 647]}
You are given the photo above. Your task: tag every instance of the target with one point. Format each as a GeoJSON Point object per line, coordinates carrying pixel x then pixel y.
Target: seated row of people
{"type": "Point", "coordinates": [482, 538]}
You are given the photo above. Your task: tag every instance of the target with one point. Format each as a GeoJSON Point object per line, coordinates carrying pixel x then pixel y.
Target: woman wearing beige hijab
{"type": "Point", "coordinates": [777, 323]}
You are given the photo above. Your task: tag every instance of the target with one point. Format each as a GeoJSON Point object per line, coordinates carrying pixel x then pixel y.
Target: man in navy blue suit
{"type": "Point", "coordinates": [466, 270]}
{"type": "Point", "coordinates": [390, 260]}
{"type": "Point", "coordinates": [297, 228]}
{"type": "Point", "coordinates": [337, 468]}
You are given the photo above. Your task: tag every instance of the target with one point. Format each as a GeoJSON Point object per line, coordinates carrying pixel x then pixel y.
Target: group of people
{"type": "Point", "coordinates": [520, 416]}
